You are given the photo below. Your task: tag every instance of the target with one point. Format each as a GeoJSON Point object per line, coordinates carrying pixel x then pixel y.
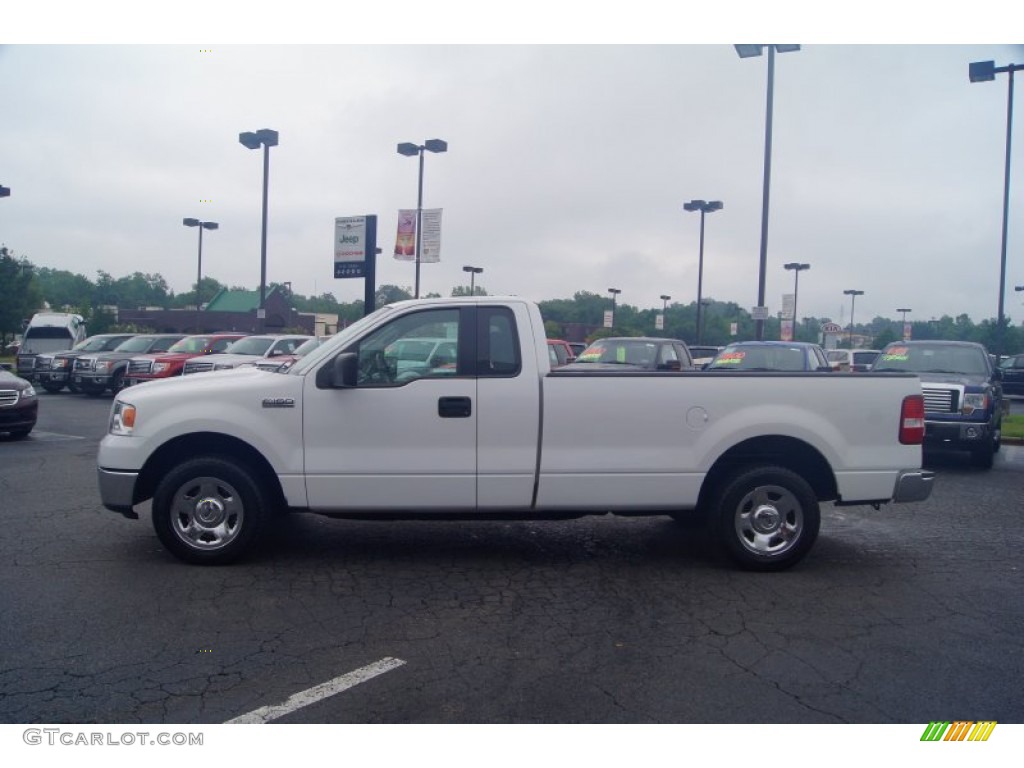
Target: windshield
{"type": "Point", "coordinates": [48, 332]}
{"type": "Point", "coordinates": [190, 344]}
{"type": "Point", "coordinates": [620, 352]}
{"type": "Point", "coordinates": [98, 344]}
{"type": "Point", "coordinates": [933, 358]}
{"type": "Point", "coordinates": [136, 344]}
{"type": "Point", "coordinates": [307, 346]}
{"type": "Point", "coordinates": [836, 355]}
{"type": "Point", "coordinates": [252, 345]}
{"type": "Point", "coordinates": [767, 357]}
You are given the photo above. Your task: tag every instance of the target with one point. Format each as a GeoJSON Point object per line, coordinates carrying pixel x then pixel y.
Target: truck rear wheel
{"type": "Point", "coordinates": [766, 518]}
{"type": "Point", "coordinates": [210, 510]}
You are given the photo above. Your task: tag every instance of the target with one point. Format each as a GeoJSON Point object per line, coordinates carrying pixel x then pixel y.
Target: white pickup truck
{"type": "Point", "coordinates": [354, 429]}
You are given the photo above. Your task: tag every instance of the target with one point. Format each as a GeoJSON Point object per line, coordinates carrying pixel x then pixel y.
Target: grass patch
{"type": "Point", "coordinates": [1013, 426]}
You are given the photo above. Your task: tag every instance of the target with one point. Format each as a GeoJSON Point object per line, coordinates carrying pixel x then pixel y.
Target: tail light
{"type": "Point", "coordinates": [912, 420]}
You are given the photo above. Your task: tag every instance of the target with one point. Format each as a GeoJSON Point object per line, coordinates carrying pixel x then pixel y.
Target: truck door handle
{"type": "Point", "coordinates": [454, 407]}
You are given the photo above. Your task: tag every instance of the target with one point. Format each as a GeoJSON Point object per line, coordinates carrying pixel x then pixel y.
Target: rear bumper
{"type": "Point", "coordinates": [913, 485]}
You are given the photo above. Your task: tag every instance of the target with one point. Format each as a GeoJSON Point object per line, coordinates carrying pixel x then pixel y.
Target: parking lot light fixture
{"type": "Point", "coordinates": [266, 138]}
{"type": "Point", "coordinates": [981, 72]}
{"type": "Point", "coordinates": [704, 207]}
{"type": "Point", "coordinates": [200, 225]}
{"type": "Point", "coordinates": [747, 51]}
{"type": "Point", "coordinates": [796, 268]}
{"type": "Point", "coordinates": [853, 293]}
{"type": "Point", "coordinates": [664, 303]}
{"type": "Point", "coordinates": [408, 149]}
{"type": "Point", "coordinates": [473, 272]}
{"type": "Point", "coordinates": [614, 292]}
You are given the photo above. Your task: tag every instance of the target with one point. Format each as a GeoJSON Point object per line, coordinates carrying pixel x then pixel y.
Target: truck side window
{"type": "Point", "coordinates": [415, 346]}
{"type": "Point", "coordinates": [497, 342]}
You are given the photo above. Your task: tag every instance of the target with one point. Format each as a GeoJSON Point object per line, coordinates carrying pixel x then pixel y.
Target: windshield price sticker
{"type": "Point", "coordinates": [730, 358]}
{"type": "Point", "coordinates": [594, 353]}
{"type": "Point", "coordinates": [897, 353]}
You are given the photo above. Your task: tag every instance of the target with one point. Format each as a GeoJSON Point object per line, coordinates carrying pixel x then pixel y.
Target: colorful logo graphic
{"type": "Point", "coordinates": [960, 730]}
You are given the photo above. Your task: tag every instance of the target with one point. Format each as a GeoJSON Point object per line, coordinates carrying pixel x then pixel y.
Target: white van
{"type": "Point", "coordinates": [48, 332]}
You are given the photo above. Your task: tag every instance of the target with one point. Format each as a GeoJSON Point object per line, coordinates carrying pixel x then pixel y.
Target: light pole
{"type": "Point", "coordinates": [473, 272]}
{"type": "Point", "coordinates": [201, 225]}
{"type": "Point", "coordinates": [903, 311]}
{"type": "Point", "coordinates": [411, 150]}
{"type": "Point", "coordinates": [853, 294]}
{"type": "Point", "coordinates": [980, 72]}
{"type": "Point", "coordinates": [266, 138]}
{"type": "Point", "coordinates": [703, 207]}
{"type": "Point", "coordinates": [664, 312]}
{"type": "Point", "coordinates": [747, 51]}
{"type": "Point", "coordinates": [797, 268]}
{"type": "Point", "coordinates": [614, 292]}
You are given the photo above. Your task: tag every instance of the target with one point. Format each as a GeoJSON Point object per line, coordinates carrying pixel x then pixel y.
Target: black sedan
{"type": "Point", "coordinates": [19, 405]}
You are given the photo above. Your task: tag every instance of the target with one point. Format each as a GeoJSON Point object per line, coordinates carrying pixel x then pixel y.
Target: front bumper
{"type": "Point", "coordinates": [117, 490]}
{"type": "Point", "coordinates": [959, 432]}
{"type": "Point", "coordinates": [19, 417]}
{"type": "Point", "coordinates": [913, 485]}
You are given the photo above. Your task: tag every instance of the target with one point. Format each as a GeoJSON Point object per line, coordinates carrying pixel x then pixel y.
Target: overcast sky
{"type": "Point", "coordinates": [567, 169]}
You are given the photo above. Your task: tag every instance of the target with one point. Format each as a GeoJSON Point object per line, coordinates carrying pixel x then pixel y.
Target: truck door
{"type": "Point", "coordinates": [406, 436]}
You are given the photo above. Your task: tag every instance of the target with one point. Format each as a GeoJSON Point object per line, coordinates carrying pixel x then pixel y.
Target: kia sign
{"type": "Point", "coordinates": [831, 328]}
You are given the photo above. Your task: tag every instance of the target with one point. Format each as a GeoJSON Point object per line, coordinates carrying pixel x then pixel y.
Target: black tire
{"type": "Point", "coordinates": [766, 518]}
{"type": "Point", "coordinates": [19, 434]}
{"type": "Point", "coordinates": [117, 382]}
{"type": "Point", "coordinates": [210, 510]}
{"type": "Point", "coordinates": [74, 388]}
{"type": "Point", "coordinates": [53, 389]}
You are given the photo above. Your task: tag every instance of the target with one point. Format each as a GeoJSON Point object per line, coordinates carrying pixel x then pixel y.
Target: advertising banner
{"type": "Point", "coordinates": [405, 242]}
{"type": "Point", "coordinates": [609, 318]}
{"type": "Point", "coordinates": [786, 331]}
{"type": "Point", "coordinates": [659, 322]}
{"type": "Point", "coordinates": [350, 246]}
{"type": "Point", "coordinates": [430, 238]}
{"type": "Point", "coordinates": [788, 302]}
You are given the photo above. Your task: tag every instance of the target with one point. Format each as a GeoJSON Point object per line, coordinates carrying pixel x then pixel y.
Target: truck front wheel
{"type": "Point", "coordinates": [766, 518]}
{"type": "Point", "coordinates": [210, 510]}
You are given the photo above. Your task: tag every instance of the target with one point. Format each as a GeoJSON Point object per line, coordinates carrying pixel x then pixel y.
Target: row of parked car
{"type": "Point", "coordinates": [111, 361]}
{"type": "Point", "coordinates": [661, 354]}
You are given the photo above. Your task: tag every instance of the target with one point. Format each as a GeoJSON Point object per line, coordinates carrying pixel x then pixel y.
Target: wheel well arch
{"type": "Point", "coordinates": [779, 450]}
{"type": "Point", "coordinates": [177, 450]}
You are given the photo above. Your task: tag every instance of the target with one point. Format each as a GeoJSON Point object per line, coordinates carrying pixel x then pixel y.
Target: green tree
{"type": "Point", "coordinates": [19, 295]}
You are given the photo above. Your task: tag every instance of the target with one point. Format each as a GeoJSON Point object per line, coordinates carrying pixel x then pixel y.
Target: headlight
{"type": "Point", "coordinates": [61, 362]}
{"type": "Point", "coordinates": [103, 365]}
{"type": "Point", "coordinates": [122, 419]}
{"type": "Point", "coordinates": [160, 367]}
{"type": "Point", "coordinates": [977, 401]}
{"type": "Point", "coordinates": [28, 391]}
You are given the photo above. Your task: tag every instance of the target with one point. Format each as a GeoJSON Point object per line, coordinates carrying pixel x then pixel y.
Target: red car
{"type": "Point", "coordinates": [170, 363]}
{"type": "Point", "coordinates": [560, 353]}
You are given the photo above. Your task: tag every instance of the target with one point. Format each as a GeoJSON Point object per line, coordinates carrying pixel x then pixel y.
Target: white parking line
{"type": "Point", "coordinates": [319, 692]}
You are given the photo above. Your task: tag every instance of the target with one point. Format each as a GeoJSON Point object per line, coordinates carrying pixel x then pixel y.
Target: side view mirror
{"type": "Point", "coordinates": [340, 373]}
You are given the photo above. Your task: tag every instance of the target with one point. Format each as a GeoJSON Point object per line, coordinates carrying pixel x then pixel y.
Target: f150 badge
{"type": "Point", "coordinates": [278, 402]}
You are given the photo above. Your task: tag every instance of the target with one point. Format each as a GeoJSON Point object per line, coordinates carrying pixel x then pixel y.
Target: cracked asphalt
{"type": "Point", "coordinates": [905, 615]}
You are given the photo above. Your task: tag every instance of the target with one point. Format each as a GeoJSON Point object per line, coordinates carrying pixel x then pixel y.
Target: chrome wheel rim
{"type": "Point", "coordinates": [207, 513]}
{"type": "Point", "coordinates": [769, 520]}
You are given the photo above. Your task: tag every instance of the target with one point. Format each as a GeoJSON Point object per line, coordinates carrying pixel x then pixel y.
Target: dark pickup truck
{"type": "Point", "coordinates": [963, 394]}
